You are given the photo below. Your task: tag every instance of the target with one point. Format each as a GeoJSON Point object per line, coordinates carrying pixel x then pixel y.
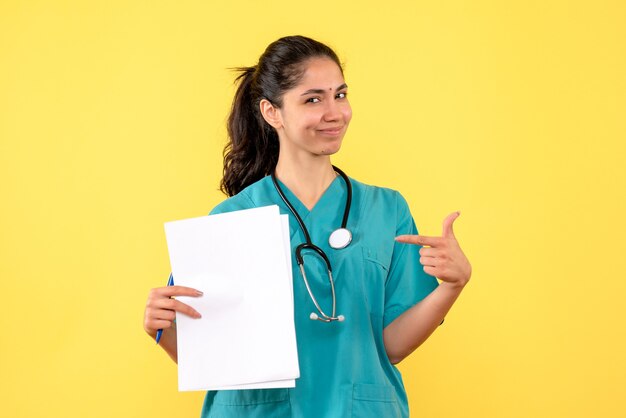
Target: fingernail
{"type": "Point", "coordinates": [199, 293]}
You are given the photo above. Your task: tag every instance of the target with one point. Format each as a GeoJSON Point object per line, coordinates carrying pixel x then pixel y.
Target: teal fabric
{"type": "Point", "coordinates": [344, 369]}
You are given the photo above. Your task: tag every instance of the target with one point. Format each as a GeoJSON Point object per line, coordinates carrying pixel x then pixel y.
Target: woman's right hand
{"type": "Point", "coordinates": [161, 308]}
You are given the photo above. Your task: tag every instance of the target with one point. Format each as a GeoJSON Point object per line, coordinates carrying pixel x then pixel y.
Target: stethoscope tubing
{"type": "Point", "coordinates": [309, 245]}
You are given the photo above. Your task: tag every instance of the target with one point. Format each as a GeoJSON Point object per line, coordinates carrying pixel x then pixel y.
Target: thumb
{"type": "Point", "coordinates": [448, 232]}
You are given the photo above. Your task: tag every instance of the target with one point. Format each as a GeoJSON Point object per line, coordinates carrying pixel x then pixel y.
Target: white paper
{"type": "Point", "coordinates": [246, 336]}
{"type": "Point", "coordinates": [289, 383]}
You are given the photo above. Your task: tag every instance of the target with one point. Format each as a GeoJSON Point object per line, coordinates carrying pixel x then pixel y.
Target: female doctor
{"type": "Point", "coordinates": [364, 299]}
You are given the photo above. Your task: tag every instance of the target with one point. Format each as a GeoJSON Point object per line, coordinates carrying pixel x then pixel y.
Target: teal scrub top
{"type": "Point", "coordinates": [344, 369]}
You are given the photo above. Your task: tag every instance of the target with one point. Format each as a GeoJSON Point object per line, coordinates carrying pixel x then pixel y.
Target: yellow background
{"type": "Point", "coordinates": [112, 123]}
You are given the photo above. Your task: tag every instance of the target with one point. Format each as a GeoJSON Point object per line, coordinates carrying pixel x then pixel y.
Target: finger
{"type": "Point", "coordinates": [152, 323]}
{"type": "Point", "coordinates": [448, 232]}
{"type": "Point", "coordinates": [176, 305]}
{"type": "Point", "coordinates": [420, 240]}
{"type": "Point", "coordinates": [163, 314]}
{"type": "Point", "coordinates": [170, 291]}
{"type": "Point", "coordinates": [430, 252]}
{"type": "Point", "coordinates": [430, 261]}
{"type": "Point", "coordinates": [432, 271]}
{"type": "Point", "coordinates": [157, 324]}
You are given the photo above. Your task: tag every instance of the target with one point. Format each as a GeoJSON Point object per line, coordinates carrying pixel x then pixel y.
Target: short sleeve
{"type": "Point", "coordinates": [407, 283]}
{"type": "Point", "coordinates": [238, 202]}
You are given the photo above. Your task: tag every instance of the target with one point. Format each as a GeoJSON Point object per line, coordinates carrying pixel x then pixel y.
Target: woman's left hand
{"type": "Point", "coordinates": [442, 257]}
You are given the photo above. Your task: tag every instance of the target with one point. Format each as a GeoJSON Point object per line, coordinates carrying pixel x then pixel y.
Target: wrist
{"type": "Point", "coordinates": [456, 286]}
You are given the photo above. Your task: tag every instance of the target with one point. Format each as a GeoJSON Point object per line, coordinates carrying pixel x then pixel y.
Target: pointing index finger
{"type": "Point", "coordinates": [420, 240]}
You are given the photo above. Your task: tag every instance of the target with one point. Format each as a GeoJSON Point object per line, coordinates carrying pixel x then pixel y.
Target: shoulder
{"type": "Point", "coordinates": [381, 208]}
{"type": "Point", "coordinates": [383, 197]}
{"type": "Point", "coordinates": [250, 197]}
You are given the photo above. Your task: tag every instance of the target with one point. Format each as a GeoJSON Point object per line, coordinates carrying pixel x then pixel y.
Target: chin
{"type": "Point", "coordinates": [331, 147]}
{"type": "Point", "coordinates": [330, 150]}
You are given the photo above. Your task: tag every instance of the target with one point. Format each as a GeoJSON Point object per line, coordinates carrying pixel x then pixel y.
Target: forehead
{"type": "Point", "coordinates": [320, 73]}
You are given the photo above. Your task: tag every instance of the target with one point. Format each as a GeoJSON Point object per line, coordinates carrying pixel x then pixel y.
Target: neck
{"type": "Point", "coordinates": [307, 179]}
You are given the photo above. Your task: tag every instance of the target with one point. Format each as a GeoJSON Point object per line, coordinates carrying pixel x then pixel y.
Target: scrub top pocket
{"type": "Point", "coordinates": [374, 401]}
{"type": "Point", "coordinates": [374, 274]}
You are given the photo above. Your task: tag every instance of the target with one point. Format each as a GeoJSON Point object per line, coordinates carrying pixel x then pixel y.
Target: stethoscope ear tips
{"type": "Point", "coordinates": [314, 316]}
{"type": "Point", "coordinates": [341, 318]}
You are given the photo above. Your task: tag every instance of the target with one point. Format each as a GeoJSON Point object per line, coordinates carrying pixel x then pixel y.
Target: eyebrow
{"type": "Point", "coordinates": [322, 91]}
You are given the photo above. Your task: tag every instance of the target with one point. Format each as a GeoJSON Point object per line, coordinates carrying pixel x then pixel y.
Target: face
{"type": "Point", "coordinates": [315, 113]}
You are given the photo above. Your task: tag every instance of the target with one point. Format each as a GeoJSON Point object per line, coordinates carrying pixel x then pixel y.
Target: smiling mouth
{"type": "Point", "coordinates": [331, 131]}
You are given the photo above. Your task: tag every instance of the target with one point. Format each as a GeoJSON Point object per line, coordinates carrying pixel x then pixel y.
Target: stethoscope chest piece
{"type": "Point", "coordinates": [340, 238]}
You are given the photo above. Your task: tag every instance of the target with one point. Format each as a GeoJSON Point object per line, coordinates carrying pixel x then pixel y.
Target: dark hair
{"type": "Point", "coordinates": [252, 150]}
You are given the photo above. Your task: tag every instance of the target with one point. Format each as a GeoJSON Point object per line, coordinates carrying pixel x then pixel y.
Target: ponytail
{"type": "Point", "coordinates": [252, 150]}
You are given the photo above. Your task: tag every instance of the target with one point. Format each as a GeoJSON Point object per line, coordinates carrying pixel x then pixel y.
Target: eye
{"type": "Point", "coordinates": [313, 100]}
{"type": "Point", "coordinates": [342, 95]}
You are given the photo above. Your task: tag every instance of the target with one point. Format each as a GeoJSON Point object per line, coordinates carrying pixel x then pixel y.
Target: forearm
{"type": "Point", "coordinates": [413, 327]}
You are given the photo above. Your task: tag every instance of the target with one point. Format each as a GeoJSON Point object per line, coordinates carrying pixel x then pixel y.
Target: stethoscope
{"type": "Point", "coordinates": [340, 238]}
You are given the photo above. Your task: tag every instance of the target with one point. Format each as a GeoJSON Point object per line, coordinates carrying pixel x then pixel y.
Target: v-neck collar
{"type": "Point", "coordinates": [300, 207]}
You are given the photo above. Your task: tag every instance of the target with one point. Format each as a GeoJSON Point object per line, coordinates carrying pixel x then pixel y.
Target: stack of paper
{"type": "Point", "coordinates": [246, 337]}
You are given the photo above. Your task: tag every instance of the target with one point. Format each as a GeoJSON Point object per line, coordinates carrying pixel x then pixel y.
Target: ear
{"type": "Point", "coordinates": [271, 114]}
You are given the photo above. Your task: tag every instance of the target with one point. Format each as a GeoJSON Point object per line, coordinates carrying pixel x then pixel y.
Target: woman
{"type": "Point", "coordinates": [289, 115]}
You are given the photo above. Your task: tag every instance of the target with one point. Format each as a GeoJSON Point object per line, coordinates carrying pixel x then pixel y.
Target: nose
{"type": "Point", "coordinates": [332, 111]}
